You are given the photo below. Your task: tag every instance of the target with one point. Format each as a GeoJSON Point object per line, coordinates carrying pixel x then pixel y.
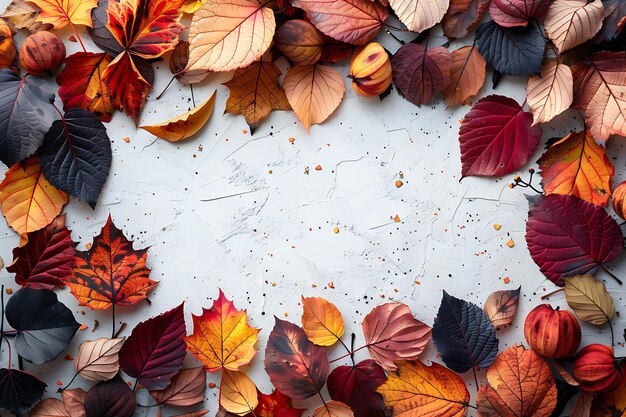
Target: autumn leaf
{"type": "Point", "coordinates": [467, 75]}
{"type": "Point", "coordinates": [191, 6]}
{"type": "Point", "coordinates": [296, 366]}
{"type": "Point", "coordinates": [29, 202]}
{"type": "Point", "coordinates": [570, 23]}
{"type": "Point", "coordinates": [98, 360]}
{"type": "Point", "coordinates": [8, 52]}
{"type": "Point", "coordinates": [417, 390]}
{"type": "Point", "coordinates": [321, 321]}
{"type": "Point", "coordinates": [275, 404]}
{"type": "Point", "coordinates": [219, 44]}
{"type": "Point", "coordinates": [300, 42]}
{"type": "Point", "coordinates": [186, 388]}
{"type": "Point", "coordinates": [112, 398]}
{"type": "Point", "coordinates": [520, 385]}
{"type": "Point", "coordinates": [47, 258]}
{"type": "Point", "coordinates": [74, 400]}
{"type": "Point", "coordinates": [393, 334]}
{"type": "Point", "coordinates": [589, 299]}
{"type": "Point", "coordinates": [356, 386]}
{"type": "Point", "coordinates": [111, 272]}
{"type": "Point", "coordinates": [126, 84]}
{"type": "Point", "coordinates": [577, 165]}
{"type": "Point", "coordinates": [582, 406]}
{"type": "Point", "coordinates": [602, 92]}
{"type": "Point", "coordinates": [178, 65]}
{"type": "Point", "coordinates": [419, 15]}
{"type": "Point", "coordinates": [81, 84]}
{"type": "Point", "coordinates": [349, 21]}
{"type": "Point", "coordinates": [551, 93]}
{"type": "Point", "coordinates": [222, 338]}
{"type": "Point", "coordinates": [501, 307]}
{"type": "Point", "coordinates": [509, 13]}
{"type": "Point", "coordinates": [610, 404]}
{"type": "Point", "coordinates": [255, 93]}
{"type": "Point", "coordinates": [333, 409]}
{"type": "Point", "coordinates": [23, 15]}
{"type": "Point", "coordinates": [60, 13]}
{"type": "Point", "coordinates": [614, 11]}
{"type": "Point", "coordinates": [50, 407]}
{"type": "Point", "coordinates": [238, 394]}
{"type": "Point", "coordinates": [21, 391]}
{"type": "Point", "coordinates": [462, 17]}
{"type": "Point", "coordinates": [314, 92]}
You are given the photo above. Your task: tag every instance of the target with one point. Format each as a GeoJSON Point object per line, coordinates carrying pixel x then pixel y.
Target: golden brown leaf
{"type": "Point", "coordinates": [589, 299]}
{"type": "Point", "coordinates": [74, 400]}
{"type": "Point", "coordinates": [22, 15]}
{"type": "Point", "coordinates": [98, 360]}
{"type": "Point", "coordinates": [551, 93]}
{"type": "Point", "coordinates": [217, 43]}
{"type": "Point", "coordinates": [577, 165]}
{"type": "Point", "coordinates": [501, 307]}
{"type": "Point", "coordinates": [178, 63]}
{"type": "Point", "coordinates": [29, 202]}
{"type": "Point", "coordinates": [321, 321]}
{"type": "Point", "coordinates": [570, 23]}
{"type": "Point", "coordinates": [314, 92]}
{"type": "Point", "coordinates": [419, 15]}
{"type": "Point", "coordinates": [520, 385]}
{"type": "Point", "coordinates": [417, 390]}
{"type": "Point", "coordinates": [185, 125]}
{"type": "Point", "coordinates": [50, 407]}
{"type": "Point", "coordinates": [300, 42]}
{"type": "Point", "coordinates": [467, 75]}
{"type": "Point", "coordinates": [60, 13]}
{"type": "Point", "coordinates": [238, 394]}
{"type": "Point", "coordinates": [333, 409]}
{"type": "Point", "coordinates": [610, 404]}
{"type": "Point", "coordinates": [186, 388]}
{"type": "Point", "coordinates": [255, 93]}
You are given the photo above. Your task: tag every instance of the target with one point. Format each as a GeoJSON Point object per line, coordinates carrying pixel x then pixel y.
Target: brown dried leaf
{"type": "Point", "coordinates": [50, 407]}
{"type": "Point", "coordinates": [551, 93]}
{"type": "Point", "coordinates": [22, 15]}
{"type": "Point", "coordinates": [186, 388]}
{"type": "Point", "coordinates": [74, 400]}
{"type": "Point", "coordinates": [462, 17]}
{"type": "Point", "coordinates": [501, 307]}
{"type": "Point", "coordinates": [467, 75]}
{"type": "Point", "coordinates": [98, 360]}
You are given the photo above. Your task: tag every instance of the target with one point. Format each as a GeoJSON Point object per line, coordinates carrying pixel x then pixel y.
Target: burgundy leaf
{"type": "Point", "coordinates": [567, 236]}
{"type": "Point", "coordinates": [420, 73]}
{"type": "Point", "coordinates": [497, 137]}
{"type": "Point", "coordinates": [356, 387]}
{"type": "Point", "coordinates": [509, 13]}
{"type": "Point", "coordinates": [46, 260]}
{"type": "Point", "coordinates": [19, 391]}
{"type": "Point", "coordinates": [462, 17]}
{"type": "Point", "coordinates": [111, 398]}
{"type": "Point", "coordinates": [296, 367]}
{"type": "Point", "coordinates": [155, 350]}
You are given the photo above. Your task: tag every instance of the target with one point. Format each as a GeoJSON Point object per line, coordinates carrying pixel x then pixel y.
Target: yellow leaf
{"type": "Point", "coordinates": [59, 13]}
{"type": "Point", "coordinates": [186, 125]}
{"type": "Point", "coordinates": [238, 394]}
{"type": "Point", "coordinates": [551, 93]}
{"type": "Point", "coordinates": [589, 299]}
{"type": "Point", "coordinates": [98, 360]}
{"type": "Point", "coordinates": [321, 321]}
{"type": "Point", "coordinates": [333, 409]}
{"type": "Point", "coordinates": [314, 92]}
{"type": "Point", "coordinates": [417, 390]}
{"type": "Point", "coordinates": [29, 202]}
{"type": "Point", "coordinates": [222, 338]}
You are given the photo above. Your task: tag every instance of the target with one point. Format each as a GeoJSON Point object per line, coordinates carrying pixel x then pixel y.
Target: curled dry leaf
{"type": "Point", "coordinates": [350, 21]}
{"type": "Point", "coordinates": [238, 394]}
{"type": "Point", "coordinates": [23, 15]}
{"type": "Point", "coordinates": [74, 400]}
{"type": "Point", "coordinates": [29, 202]}
{"type": "Point", "coordinates": [186, 388]}
{"type": "Point", "coordinates": [98, 360]}
{"type": "Point", "coordinates": [462, 17]}
{"type": "Point", "coordinates": [61, 13]}
{"type": "Point", "coordinates": [186, 125]}
{"type": "Point", "coordinates": [520, 385]}
{"type": "Point", "coordinates": [178, 64]}
{"type": "Point", "coordinates": [50, 407]}
{"type": "Point", "coordinates": [333, 409]}
{"type": "Point", "coordinates": [551, 93]}
{"type": "Point", "coordinates": [501, 307]}
{"type": "Point", "coordinates": [577, 165]}
{"type": "Point", "coordinates": [314, 92]}
{"type": "Point", "coordinates": [321, 321]}
{"type": "Point", "coordinates": [570, 23]}
{"type": "Point", "coordinates": [419, 15]}
{"type": "Point", "coordinates": [467, 75]}
{"type": "Point", "coordinates": [417, 390]}
{"type": "Point", "coordinates": [589, 299]}
{"type": "Point", "coordinates": [219, 44]}
{"type": "Point", "coordinates": [509, 13]}
{"type": "Point", "coordinates": [392, 334]}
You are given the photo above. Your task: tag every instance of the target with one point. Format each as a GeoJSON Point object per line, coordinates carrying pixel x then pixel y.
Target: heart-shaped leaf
{"type": "Point", "coordinates": [98, 360]}
{"type": "Point", "coordinates": [496, 137]}
{"type": "Point", "coordinates": [321, 321]}
{"type": "Point", "coordinates": [570, 23]}
{"type": "Point", "coordinates": [419, 15]}
{"type": "Point", "coordinates": [155, 350]}
{"type": "Point", "coordinates": [111, 398]}
{"type": "Point", "coordinates": [467, 75]}
{"type": "Point", "coordinates": [356, 386]}
{"type": "Point", "coordinates": [44, 325]}
{"type": "Point", "coordinates": [296, 366]}
{"type": "Point", "coordinates": [589, 299]}
{"type": "Point", "coordinates": [551, 93]}
{"type": "Point", "coordinates": [19, 391]}
{"type": "Point", "coordinates": [501, 307]}
{"type": "Point", "coordinates": [567, 236]}
{"type": "Point", "coordinates": [509, 13]}
{"type": "Point", "coordinates": [186, 388]}
{"type": "Point", "coordinates": [462, 17]}
{"type": "Point", "coordinates": [463, 334]}
{"type": "Point", "coordinates": [392, 334]}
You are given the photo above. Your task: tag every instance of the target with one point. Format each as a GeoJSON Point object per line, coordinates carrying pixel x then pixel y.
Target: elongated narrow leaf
{"type": "Point", "coordinates": [238, 394]}
{"type": "Point", "coordinates": [419, 15]}
{"type": "Point", "coordinates": [186, 388]}
{"type": "Point", "coordinates": [467, 75]}
{"type": "Point", "coordinates": [589, 299]}
{"type": "Point", "coordinates": [45, 326]}
{"type": "Point", "coordinates": [19, 391]}
{"type": "Point", "coordinates": [501, 307]}
{"type": "Point", "coordinates": [356, 386]}
{"type": "Point", "coordinates": [111, 398]}
{"type": "Point", "coordinates": [551, 93]}
{"type": "Point", "coordinates": [570, 23]}
{"type": "Point", "coordinates": [98, 360]}
{"type": "Point", "coordinates": [463, 334]}
{"type": "Point", "coordinates": [321, 321]}
{"type": "Point", "coordinates": [155, 350]}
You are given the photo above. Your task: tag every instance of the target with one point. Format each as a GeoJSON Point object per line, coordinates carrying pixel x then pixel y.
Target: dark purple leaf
{"type": "Point", "coordinates": [19, 391]}
{"type": "Point", "coordinates": [356, 387]}
{"type": "Point", "coordinates": [112, 398]}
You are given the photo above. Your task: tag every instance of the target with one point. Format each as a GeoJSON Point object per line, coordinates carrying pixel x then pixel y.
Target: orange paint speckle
{"type": "Point", "coordinates": [245, 132]}
{"type": "Point", "coordinates": [399, 184]}
{"type": "Point", "coordinates": [292, 140]}
{"type": "Point", "coordinates": [397, 219]}
{"type": "Point", "coordinates": [331, 285]}
{"type": "Point", "coordinates": [83, 327]}
{"type": "Point", "coordinates": [510, 243]}
{"type": "Point", "coordinates": [212, 385]}
{"type": "Point", "coordinates": [497, 226]}
{"type": "Point", "coordinates": [506, 280]}
{"type": "Point", "coordinates": [9, 291]}
{"type": "Point", "coordinates": [318, 168]}
{"type": "Point", "coordinates": [126, 139]}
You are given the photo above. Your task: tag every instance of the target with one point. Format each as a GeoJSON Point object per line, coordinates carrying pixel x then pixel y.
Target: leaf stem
{"type": "Point", "coordinates": [612, 334]}
{"type": "Point", "coordinates": [552, 293]}
{"type": "Point", "coordinates": [475, 377]}
{"type": "Point", "coordinates": [619, 281]}
{"type": "Point", "coordinates": [113, 321]}
{"type": "Point", "coordinates": [166, 87]}
{"type": "Point", "coordinates": [349, 354]}
{"type": "Point", "coordinates": [69, 383]}
{"type": "Point", "coordinates": [77, 35]}
{"type": "Point", "coordinates": [193, 99]}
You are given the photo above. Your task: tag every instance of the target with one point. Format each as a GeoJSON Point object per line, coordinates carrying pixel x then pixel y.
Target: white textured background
{"type": "Point", "coordinates": [252, 216]}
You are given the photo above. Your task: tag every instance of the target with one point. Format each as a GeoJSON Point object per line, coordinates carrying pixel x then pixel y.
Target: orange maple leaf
{"type": "Point", "coordinates": [222, 338]}
{"type": "Point", "coordinates": [60, 13]}
{"type": "Point", "coordinates": [111, 272]}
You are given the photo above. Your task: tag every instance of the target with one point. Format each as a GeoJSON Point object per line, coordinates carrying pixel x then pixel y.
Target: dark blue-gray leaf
{"type": "Point", "coordinates": [26, 113]}
{"type": "Point", "coordinates": [111, 398]}
{"type": "Point", "coordinates": [464, 335]}
{"type": "Point", "coordinates": [100, 34]}
{"type": "Point", "coordinates": [76, 155]}
{"type": "Point", "coordinates": [45, 325]}
{"type": "Point", "coordinates": [512, 51]}
{"type": "Point", "coordinates": [19, 391]}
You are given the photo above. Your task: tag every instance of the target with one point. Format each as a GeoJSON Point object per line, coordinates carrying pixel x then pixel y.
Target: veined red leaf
{"type": "Point", "coordinates": [126, 84]}
{"type": "Point", "coordinates": [509, 13]}
{"type": "Point", "coordinates": [275, 404]}
{"type": "Point", "coordinates": [356, 386]}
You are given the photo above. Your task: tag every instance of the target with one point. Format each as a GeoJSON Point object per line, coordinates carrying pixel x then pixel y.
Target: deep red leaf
{"type": "Point", "coordinates": [420, 73]}
{"type": "Point", "coordinates": [111, 398]}
{"type": "Point", "coordinates": [275, 404]}
{"type": "Point", "coordinates": [155, 350]}
{"type": "Point", "coordinates": [46, 260]}
{"type": "Point", "coordinates": [497, 137]}
{"type": "Point", "coordinates": [356, 387]}
{"type": "Point", "coordinates": [509, 13]}
{"type": "Point", "coordinates": [567, 236]}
